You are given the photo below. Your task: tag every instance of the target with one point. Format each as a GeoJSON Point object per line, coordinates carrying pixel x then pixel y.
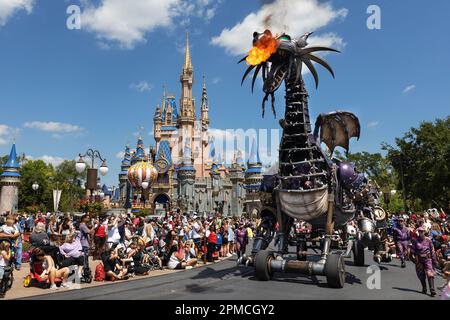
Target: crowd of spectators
{"type": "Point", "coordinates": [125, 245]}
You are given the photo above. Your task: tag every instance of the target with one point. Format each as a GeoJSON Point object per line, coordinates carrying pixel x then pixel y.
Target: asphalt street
{"type": "Point", "coordinates": [224, 280]}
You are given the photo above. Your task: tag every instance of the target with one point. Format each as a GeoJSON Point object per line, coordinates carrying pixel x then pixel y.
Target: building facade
{"type": "Point", "coordinates": [191, 176]}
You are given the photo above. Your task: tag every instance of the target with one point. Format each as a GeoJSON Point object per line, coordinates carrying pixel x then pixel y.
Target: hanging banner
{"type": "Point", "coordinates": [56, 199]}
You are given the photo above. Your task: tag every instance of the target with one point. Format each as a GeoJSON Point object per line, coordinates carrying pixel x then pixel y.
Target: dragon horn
{"type": "Point", "coordinates": [314, 49]}
{"type": "Point", "coordinates": [246, 73]}
{"type": "Point", "coordinates": [313, 70]}
{"type": "Point", "coordinates": [242, 60]}
{"type": "Point", "coordinates": [321, 62]}
{"type": "Point", "coordinates": [255, 74]}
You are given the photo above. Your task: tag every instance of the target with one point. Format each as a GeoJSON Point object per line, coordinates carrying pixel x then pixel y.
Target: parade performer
{"type": "Point", "coordinates": [424, 254]}
{"type": "Point", "coordinates": [241, 239]}
{"type": "Point", "coordinates": [402, 239]}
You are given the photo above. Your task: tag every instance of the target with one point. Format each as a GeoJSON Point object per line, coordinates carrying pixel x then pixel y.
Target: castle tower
{"type": "Point", "coordinates": [124, 186]}
{"type": "Point", "coordinates": [157, 123]}
{"type": "Point", "coordinates": [9, 182]}
{"type": "Point", "coordinates": [186, 179]}
{"type": "Point", "coordinates": [205, 107]}
{"type": "Point", "coordinates": [237, 178]}
{"type": "Point", "coordinates": [253, 179]}
{"type": "Point", "coordinates": [187, 117]}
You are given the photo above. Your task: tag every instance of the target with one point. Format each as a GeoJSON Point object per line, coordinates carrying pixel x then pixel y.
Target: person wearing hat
{"type": "Point", "coordinates": [402, 239]}
{"type": "Point", "coordinates": [425, 257]}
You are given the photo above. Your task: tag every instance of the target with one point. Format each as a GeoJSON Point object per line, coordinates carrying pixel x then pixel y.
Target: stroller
{"type": "Point", "coordinates": [8, 277]}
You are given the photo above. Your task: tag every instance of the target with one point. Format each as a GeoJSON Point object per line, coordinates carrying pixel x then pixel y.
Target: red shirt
{"type": "Point", "coordinates": [101, 231]}
{"type": "Point", "coordinates": [212, 237]}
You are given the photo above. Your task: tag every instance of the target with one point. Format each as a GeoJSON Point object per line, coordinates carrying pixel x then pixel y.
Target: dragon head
{"type": "Point", "coordinates": [281, 58]}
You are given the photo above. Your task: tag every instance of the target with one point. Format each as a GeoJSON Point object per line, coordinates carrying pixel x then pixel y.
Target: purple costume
{"type": "Point", "coordinates": [424, 251]}
{"type": "Point", "coordinates": [402, 239]}
{"type": "Point", "coordinates": [241, 240]}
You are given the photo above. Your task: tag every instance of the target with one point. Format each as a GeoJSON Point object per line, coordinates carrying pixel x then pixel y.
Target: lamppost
{"type": "Point", "coordinates": [35, 187]}
{"type": "Point", "coordinates": [80, 166]}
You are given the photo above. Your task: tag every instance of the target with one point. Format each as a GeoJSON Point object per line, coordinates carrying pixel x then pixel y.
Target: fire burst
{"type": "Point", "coordinates": [262, 49]}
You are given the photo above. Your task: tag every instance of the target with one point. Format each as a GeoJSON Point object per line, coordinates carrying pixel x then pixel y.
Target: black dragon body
{"type": "Point", "coordinates": [307, 186]}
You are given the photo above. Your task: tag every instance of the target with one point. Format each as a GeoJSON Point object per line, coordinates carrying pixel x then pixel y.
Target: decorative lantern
{"type": "Point", "coordinates": [142, 173]}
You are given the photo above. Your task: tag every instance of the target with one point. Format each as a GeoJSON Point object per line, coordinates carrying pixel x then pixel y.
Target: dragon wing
{"type": "Point", "coordinates": [337, 128]}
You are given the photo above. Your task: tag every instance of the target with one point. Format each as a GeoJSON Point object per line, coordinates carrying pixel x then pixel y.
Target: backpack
{"type": "Point", "coordinates": [100, 273]}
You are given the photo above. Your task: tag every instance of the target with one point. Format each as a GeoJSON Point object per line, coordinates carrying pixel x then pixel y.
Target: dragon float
{"type": "Point", "coordinates": [309, 185]}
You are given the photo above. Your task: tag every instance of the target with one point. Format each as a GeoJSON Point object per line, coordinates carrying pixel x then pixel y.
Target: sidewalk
{"type": "Point", "coordinates": [19, 291]}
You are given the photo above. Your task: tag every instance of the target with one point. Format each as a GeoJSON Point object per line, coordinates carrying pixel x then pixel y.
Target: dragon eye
{"type": "Point", "coordinates": [284, 38]}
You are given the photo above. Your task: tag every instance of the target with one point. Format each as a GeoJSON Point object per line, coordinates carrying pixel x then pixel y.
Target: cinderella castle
{"type": "Point", "coordinates": [185, 169]}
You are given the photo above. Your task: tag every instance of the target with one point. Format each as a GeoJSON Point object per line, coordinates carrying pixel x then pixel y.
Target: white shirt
{"type": "Point", "coordinates": [173, 261]}
{"type": "Point", "coordinates": [113, 234]}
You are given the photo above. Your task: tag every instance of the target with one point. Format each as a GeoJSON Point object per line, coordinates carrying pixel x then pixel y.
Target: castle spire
{"type": "Point", "coordinates": [187, 57]}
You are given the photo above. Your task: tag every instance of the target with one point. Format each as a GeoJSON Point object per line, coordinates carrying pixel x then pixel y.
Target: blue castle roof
{"type": "Point", "coordinates": [140, 152]}
{"type": "Point", "coordinates": [164, 152]}
{"type": "Point", "coordinates": [12, 165]}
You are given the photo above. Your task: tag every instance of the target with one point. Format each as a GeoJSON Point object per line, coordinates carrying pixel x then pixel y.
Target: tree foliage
{"type": "Point", "coordinates": [422, 155]}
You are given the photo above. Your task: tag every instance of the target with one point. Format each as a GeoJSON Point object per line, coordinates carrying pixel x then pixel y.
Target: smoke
{"type": "Point", "coordinates": [268, 19]}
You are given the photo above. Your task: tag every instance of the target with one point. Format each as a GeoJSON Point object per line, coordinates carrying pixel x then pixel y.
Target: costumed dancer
{"type": "Point", "coordinates": [425, 256]}
{"type": "Point", "coordinates": [241, 239]}
{"type": "Point", "coordinates": [402, 239]}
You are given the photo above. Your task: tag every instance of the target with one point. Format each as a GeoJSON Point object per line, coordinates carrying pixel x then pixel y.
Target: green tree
{"type": "Point", "coordinates": [421, 159]}
{"type": "Point", "coordinates": [40, 172]}
{"type": "Point", "coordinates": [67, 179]}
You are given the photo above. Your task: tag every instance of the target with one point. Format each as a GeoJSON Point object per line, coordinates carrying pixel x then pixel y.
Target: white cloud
{"type": "Point", "coordinates": [373, 124]}
{"type": "Point", "coordinates": [128, 22]}
{"type": "Point", "coordinates": [295, 17]}
{"type": "Point", "coordinates": [7, 133]}
{"type": "Point", "coordinates": [142, 86]}
{"type": "Point", "coordinates": [54, 127]}
{"type": "Point", "coordinates": [409, 88]}
{"type": "Point", "coordinates": [10, 7]}
{"type": "Point", "coordinates": [55, 161]}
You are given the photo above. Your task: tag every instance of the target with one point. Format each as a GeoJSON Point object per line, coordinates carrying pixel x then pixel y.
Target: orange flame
{"type": "Point", "coordinates": [263, 49]}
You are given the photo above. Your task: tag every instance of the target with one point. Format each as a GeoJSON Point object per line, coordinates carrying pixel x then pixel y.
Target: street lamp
{"type": "Point", "coordinates": [80, 166]}
{"type": "Point", "coordinates": [35, 187]}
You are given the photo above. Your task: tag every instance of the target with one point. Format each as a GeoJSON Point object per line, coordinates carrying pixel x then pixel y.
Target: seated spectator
{"type": "Point", "coordinates": [44, 266]}
{"type": "Point", "coordinates": [38, 237]}
{"type": "Point", "coordinates": [113, 268]}
{"type": "Point", "coordinates": [72, 252]}
{"type": "Point", "coordinates": [183, 258]}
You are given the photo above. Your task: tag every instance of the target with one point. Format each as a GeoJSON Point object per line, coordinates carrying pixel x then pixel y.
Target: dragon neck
{"type": "Point", "coordinates": [297, 154]}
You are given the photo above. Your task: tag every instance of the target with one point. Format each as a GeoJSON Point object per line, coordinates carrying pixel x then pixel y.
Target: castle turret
{"type": "Point", "coordinates": [124, 186]}
{"type": "Point", "coordinates": [205, 107]}
{"type": "Point", "coordinates": [253, 179]}
{"type": "Point", "coordinates": [187, 102]}
{"type": "Point", "coordinates": [237, 178]}
{"type": "Point", "coordinates": [186, 181]}
{"type": "Point", "coordinates": [9, 182]}
{"type": "Point", "coordinates": [157, 123]}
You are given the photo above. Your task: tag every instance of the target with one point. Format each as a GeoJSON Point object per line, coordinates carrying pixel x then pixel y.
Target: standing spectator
{"type": "Point", "coordinates": [211, 242]}
{"type": "Point", "coordinates": [113, 232]}
{"type": "Point", "coordinates": [99, 239]}
{"type": "Point", "coordinates": [231, 237]}
{"type": "Point", "coordinates": [85, 234]}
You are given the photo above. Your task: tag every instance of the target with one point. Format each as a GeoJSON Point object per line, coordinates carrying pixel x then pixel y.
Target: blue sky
{"type": "Point", "coordinates": [62, 91]}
